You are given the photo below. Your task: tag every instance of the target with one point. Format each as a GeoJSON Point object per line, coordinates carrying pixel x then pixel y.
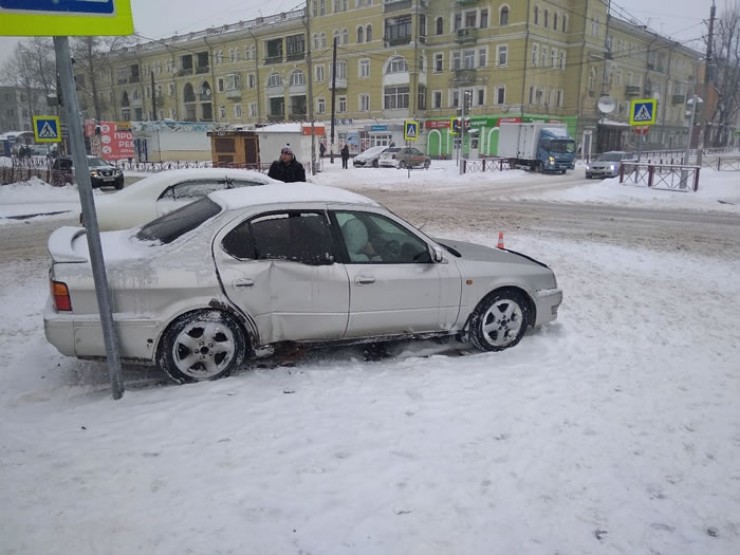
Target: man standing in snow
{"type": "Point", "coordinates": [287, 168]}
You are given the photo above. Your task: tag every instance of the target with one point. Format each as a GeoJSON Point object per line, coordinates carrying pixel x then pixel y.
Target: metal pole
{"type": "Point", "coordinates": [309, 66]}
{"type": "Point", "coordinates": [691, 130]}
{"type": "Point", "coordinates": [82, 173]}
{"type": "Point", "coordinates": [705, 93]}
{"type": "Point", "coordinates": [333, 98]}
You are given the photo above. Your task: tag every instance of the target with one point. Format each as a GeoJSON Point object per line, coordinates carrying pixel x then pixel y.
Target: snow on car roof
{"type": "Point", "coordinates": [286, 192]}
{"type": "Point", "coordinates": [169, 177]}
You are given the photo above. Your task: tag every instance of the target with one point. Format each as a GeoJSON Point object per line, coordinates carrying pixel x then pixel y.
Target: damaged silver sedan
{"type": "Point", "coordinates": [201, 290]}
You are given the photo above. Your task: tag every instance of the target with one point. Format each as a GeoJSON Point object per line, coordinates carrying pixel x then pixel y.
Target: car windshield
{"type": "Point", "coordinates": [392, 150]}
{"type": "Point", "coordinates": [169, 227]}
{"type": "Point", "coordinates": [95, 161]}
{"type": "Point", "coordinates": [610, 157]}
{"type": "Point", "coordinates": [563, 145]}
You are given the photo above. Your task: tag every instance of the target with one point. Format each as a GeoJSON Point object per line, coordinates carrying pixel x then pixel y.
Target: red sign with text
{"type": "Point", "coordinates": [116, 140]}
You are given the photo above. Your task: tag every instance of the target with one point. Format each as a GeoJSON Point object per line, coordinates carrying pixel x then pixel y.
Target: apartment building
{"type": "Point", "coordinates": [427, 60]}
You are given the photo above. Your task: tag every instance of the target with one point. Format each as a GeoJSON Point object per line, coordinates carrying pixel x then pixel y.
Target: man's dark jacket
{"type": "Point", "coordinates": [289, 173]}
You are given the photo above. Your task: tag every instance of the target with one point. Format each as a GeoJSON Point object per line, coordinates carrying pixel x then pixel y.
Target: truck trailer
{"type": "Point", "coordinates": [541, 147]}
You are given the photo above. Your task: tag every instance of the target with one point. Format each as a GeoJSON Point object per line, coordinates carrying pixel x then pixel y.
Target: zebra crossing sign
{"type": "Point", "coordinates": [46, 129]}
{"type": "Point", "coordinates": [410, 130]}
{"type": "Point", "coordinates": [643, 111]}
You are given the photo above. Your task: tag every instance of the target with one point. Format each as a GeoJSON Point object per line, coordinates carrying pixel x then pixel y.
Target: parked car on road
{"type": "Point", "coordinates": [102, 173]}
{"type": "Point", "coordinates": [165, 191]}
{"type": "Point", "coordinates": [369, 157]}
{"type": "Point", "coordinates": [404, 157]}
{"type": "Point", "coordinates": [607, 164]}
{"type": "Point", "coordinates": [200, 290]}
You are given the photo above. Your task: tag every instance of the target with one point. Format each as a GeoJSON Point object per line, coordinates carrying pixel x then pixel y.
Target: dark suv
{"type": "Point", "coordinates": [102, 174]}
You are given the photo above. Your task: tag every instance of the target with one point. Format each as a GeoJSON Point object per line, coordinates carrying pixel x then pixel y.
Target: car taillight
{"type": "Point", "coordinates": [60, 294]}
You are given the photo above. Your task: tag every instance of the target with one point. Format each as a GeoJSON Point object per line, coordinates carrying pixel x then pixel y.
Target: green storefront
{"type": "Point", "coordinates": [480, 138]}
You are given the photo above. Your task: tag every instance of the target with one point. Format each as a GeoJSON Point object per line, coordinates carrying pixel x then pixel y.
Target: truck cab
{"type": "Point", "coordinates": [556, 151]}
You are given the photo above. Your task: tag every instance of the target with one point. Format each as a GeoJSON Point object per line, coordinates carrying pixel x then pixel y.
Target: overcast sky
{"type": "Point", "coordinates": [681, 19]}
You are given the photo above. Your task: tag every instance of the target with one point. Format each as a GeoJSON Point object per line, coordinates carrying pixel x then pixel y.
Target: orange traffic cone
{"type": "Point", "coordinates": [500, 240]}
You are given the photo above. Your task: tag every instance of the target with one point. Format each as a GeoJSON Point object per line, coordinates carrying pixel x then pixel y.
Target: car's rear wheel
{"type": "Point", "coordinates": [375, 163]}
{"type": "Point", "coordinates": [499, 321]}
{"type": "Point", "coordinates": [426, 164]}
{"type": "Point", "coordinates": [202, 345]}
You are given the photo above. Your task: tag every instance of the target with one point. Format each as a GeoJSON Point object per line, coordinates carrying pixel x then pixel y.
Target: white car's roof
{"type": "Point", "coordinates": [232, 199]}
{"type": "Point", "coordinates": [158, 182]}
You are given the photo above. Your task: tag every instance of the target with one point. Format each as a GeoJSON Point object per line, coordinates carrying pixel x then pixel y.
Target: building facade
{"type": "Point", "coordinates": [426, 60]}
{"type": "Point", "coordinates": [18, 106]}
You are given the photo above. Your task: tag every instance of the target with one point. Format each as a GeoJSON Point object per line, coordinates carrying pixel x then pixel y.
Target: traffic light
{"type": "Point", "coordinates": [455, 126]}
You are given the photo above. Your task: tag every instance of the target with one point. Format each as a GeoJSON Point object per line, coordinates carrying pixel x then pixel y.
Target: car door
{"type": "Point", "coordinates": [279, 268]}
{"type": "Point", "coordinates": [416, 158]}
{"type": "Point", "coordinates": [395, 287]}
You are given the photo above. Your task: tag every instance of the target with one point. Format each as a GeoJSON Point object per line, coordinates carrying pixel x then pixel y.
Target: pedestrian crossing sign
{"type": "Point", "coordinates": [410, 130]}
{"type": "Point", "coordinates": [643, 111]}
{"type": "Point", "coordinates": [46, 129]}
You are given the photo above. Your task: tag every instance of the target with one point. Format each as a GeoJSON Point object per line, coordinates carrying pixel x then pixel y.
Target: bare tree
{"type": "Point", "coordinates": [724, 77]}
{"type": "Point", "coordinates": [32, 69]}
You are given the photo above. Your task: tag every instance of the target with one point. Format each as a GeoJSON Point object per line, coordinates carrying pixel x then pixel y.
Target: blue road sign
{"type": "Point", "coordinates": [643, 111]}
{"type": "Point", "coordinates": [79, 7]}
{"type": "Point", "coordinates": [46, 129]}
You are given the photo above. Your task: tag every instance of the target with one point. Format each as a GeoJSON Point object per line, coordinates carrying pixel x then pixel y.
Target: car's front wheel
{"type": "Point", "coordinates": [499, 321]}
{"type": "Point", "coordinates": [202, 345]}
{"type": "Point", "coordinates": [375, 163]}
{"type": "Point", "coordinates": [426, 164]}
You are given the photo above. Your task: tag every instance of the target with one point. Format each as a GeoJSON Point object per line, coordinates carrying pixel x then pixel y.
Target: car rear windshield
{"type": "Point", "coordinates": [169, 227]}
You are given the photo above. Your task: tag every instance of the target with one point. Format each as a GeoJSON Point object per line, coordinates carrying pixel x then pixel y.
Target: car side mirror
{"type": "Point", "coordinates": [438, 255]}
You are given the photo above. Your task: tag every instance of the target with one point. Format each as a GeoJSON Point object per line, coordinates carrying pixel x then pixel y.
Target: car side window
{"type": "Point", "coordinates": [374, 239]}
{"type": "Point", "coordinates": [296, 236]}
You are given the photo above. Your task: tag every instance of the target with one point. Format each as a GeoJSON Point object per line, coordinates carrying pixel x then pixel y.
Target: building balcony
{"type": "Point", "coordinates": [204, 97]}
{"type": "Point", "coordinates": [133, 79]}
{"type": "Point", "coordinates": [341, 83]}
{"type": "Point", "coordinates": [295, 56]}
{"type": "Point", "coordinates": [234, 94]}
{"type": "Point", "coordinates": [202, 69]}
{"type": "Point", "coordinates": [397, 41]}
{"type": "Point", "coordinates": [632, 90]}
{"type": "Point", "coordinates": [298, 116]}
{"type": "Point", "coordinates": [464, 77]}
{"type": "Point", "coordinates": [185, 71]}
{"type": "Point", "coordinates": [275, 117]}
{"type": "Point", "coordinates": [274, 60]}
{"type": "Point", "coordinates": [397, 6]}
{"type": "Point", "coordinates": [469, 34]}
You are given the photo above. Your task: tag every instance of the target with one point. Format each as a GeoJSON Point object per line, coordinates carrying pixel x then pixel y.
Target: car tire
{"type": "Point", "coordinates": [426, 164]}
{"type": "Point", "coordinates": [202, 345]}
{"type": "Point", "coordinates": [588, 176]}
{"type": "Point", "coordinates": [375, 163]}
{"type": "Point", "coordinates": [402, 165]}
{"type": "Point", "coordinates": [499, 321]}
{"type": "Point", "coordinates": [119, 185]}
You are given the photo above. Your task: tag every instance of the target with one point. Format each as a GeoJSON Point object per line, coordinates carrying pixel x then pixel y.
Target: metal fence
{"type": "Point", "coordinates": [660, 176]}
{"type": "Point", "coordinates": [484, 165]}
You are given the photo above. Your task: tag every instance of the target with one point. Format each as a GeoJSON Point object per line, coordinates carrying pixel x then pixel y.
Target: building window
{"type": "Point", "coordinates": [274, 81]}
{"type": "Point", "coordinates": [500, 95]}
{"type": "Point", "coordinates": [437, 100]}
{"type": "Point", "coordinates": [565, 24]}
{"type": "Point", "coordinates": [439, 59]}
{"type": "Point", "coordinates": [251, 80]}
{"type": "Point", "coordinates": [503, 16]}
{"type": "Point", "coordinates": [482, 57]}
{"type": "Point", "coordinates": [171, 89]}
{"type": "Point", "coordinates": [396, 98]}
{"type": "Point", "coordinates": [470, 19]}
{"type": "Point", "coordinates": [536, 15]}
{"type": "Point", "coordinates": [595, 27]}
{"type": "Point", "coordinates": [222, 112]}
{"type": "Point", "coordinates": [364, 103]}
{"type": "Point", "coordinates": [253, 110]}
{"type": "Point", "coordinates": [422, 97]}
{"type": "Point", "coordinates": [439, 26]}
{"type": "Point", "coordinates": [469, 59]}
{"type": "Point", "coordinates": [369, 33]}
{"type": "Point", "coordinates": [481, 97]}
{"type": "Point", "coordinates": [543, 58]}
{"type": "Point", "coordinates": [237, 110]}
{"type": "Point", "coordinates": [295, 47]}
{"type": "Point", "coordinates": [555, 21]}
{"type": "Point", "coordinates": [319, 74]}
{"type": "Point", "coordinates": [360, 35]}
{"type": "Point", "coordinates": [554, 57]}
{"type": "Point", "coordinates": [320, 105]}
{"type": "Point", "coordinates": [341, 104]}
{"type": "Point", "coordinates": [297, 79]}
{"type": "Point", "coordinates": [535, 54]}
{"type": "Point", "coordinates": [398, 30]}
{"type": "Point", "coordinates": [484, 18]}
{"type": "Point", "coordinates": [502, 54]}
{"type": "Point", "coordinates": [397, 65]}
{"type": "Point", "coordinates": [340, 6]}
{"type": "Point", "coordinates": [364, 68]}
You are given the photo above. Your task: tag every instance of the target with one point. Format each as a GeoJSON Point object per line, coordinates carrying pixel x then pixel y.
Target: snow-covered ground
{"type": "Point", "coordinates": [614, 430]}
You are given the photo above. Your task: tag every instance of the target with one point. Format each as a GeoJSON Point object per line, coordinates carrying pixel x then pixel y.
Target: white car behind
{"type": "Point", "coordinates": [166, 191]}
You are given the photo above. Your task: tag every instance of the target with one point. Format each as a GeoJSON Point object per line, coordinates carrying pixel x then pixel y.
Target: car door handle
{"type": "Point", "coordinates": [244, 282]}
{"type": "Point", "coordinates": [364, 280]}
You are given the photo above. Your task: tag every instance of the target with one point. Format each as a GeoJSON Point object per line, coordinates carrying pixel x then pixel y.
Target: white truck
{"type": "Point", "coordinates": [542, 147]}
